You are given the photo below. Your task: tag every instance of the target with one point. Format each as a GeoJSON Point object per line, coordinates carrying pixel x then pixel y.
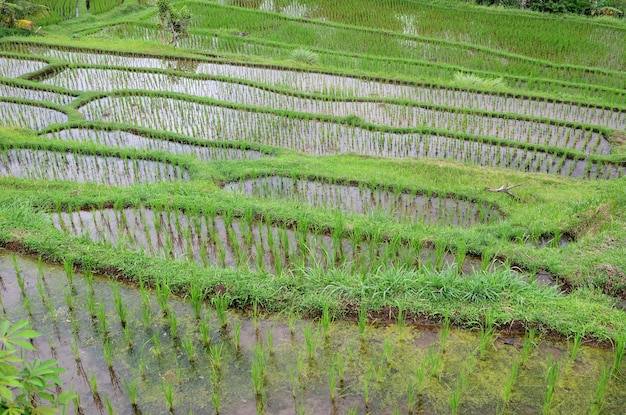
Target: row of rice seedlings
{"type": "Point", "coordinates": [75, 56]}
{"type": "Point", "coordinates": [447, 21]}
{"type": "Point", "coordinates": [50, 165]}
{"type": "Point", "coordinates": [12, 67]}
{"type": "Point", "coordinates": [61, 10]}
{"type": "Point", "coordinates": [325, 138]}
{"type": "Point", "coordinates": [369, 372]}
{"type": "Point", "coordinates": [241, 243]}
{"type": "Point", "coordinates": [124, 139]}
{"type": "Point", "coordinates": [365, 200]}
{"type": "Point", "coordinates": [101, 6]}
{"type": "Point", "coordinates": [347, 86]}
{"type": "Point", "coordinates": [31, 116]}
{"type": "Point", "coordinates": [533, 132]}
{"type": "Point", "coordinates": [23, 92]}
{"type": "Point", "coordinates": [383, 44]}
{"type": "Point", "coordinates": [372, 64]}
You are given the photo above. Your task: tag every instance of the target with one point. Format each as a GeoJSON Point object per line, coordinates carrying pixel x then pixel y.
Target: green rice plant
{"type": "Point", "coordinates": [68, 266]}
{"type": "Point", "coordinates": [339, 362]}
{"type": "Point", "coordinates": [102, 319]}
{"type": "Point", "coordinates": [107, 351]}
{"type": "Point", "coordinates": [455, 398]}
{"type": "Point", "coordinates": [367, 379]}
{"type": "Point", "coordinates": [119, 305]}
{"type": "Point", "coordinates": [487, 337]}
{"type": "Point", "coordinates": [196, 299]}
{"type": "Point", "coordinates": [388, 352]}
{"type": "Point", "coordinates": [205, 332]}
{"type": "Point", "coordinates": [597, 405]}
{"type": "Point", "coordinates": [527, 346]}
{"type": "Point", "coordinates": [156, 349]}
{"type": "Point", "coordinates": [75, 349]}
{"type": "Point", "coordinates": [440, 252]}
{"type": "Point", "coordinates": [93, 386]}
{"type": "Point", "coordinates": [619, 348]}
{"type": "Point", "coordinates": [325, 321]}
{"type": "Point", "coordinates": [509, 383]}
{"type": "Point", "coordinates": [69, 299]}
{"type": "Point", "coordinates": [216, 354]}
{"type": "Point", "coordinates": [18, 275]}
{"type": "Point", "coordinates": [310, 341]}
{"type": "Point", "coordinates": [133, 393]}
{"type": "Point", "coordinates": [575, 347]}
{"type": "Point", "coordinates": [434, 361]}
{"type": "Point", "coordinates": [237, 334]}
{"type": "Point", "coordinates": [551, 377]}
{"type": "Point", "coordinates": [167, 388]}
{"type": "Point", "coordinates": [215, 399]}
{"type": "Point", "coordinates": [255, 316]}
{"type": "Point", "coordinates": [257, 373]}
{"type": "Point", "coordinates": [270, 340]}
{"type": "Point", "coordinates": [128, 335]}
{"type": "Point", "coordinates": [362, 322]}
{"type": "Point", "coordinates": [461, 253]}
{"type": "Point", "coordinates": [187, 345]}
{"type": "Point", "coordinates": [146, 310]}
{"type": "Point", "coordinates": [221, 303]}
{"type": "Point", "coordinates": [163, 294]}
{"type": "Point", "coordinates": [292, 319]}
{"type": "Point", "coordinates": [400, 318]}
{"type": "Point", "coordinates": [173, 325]}
{"type": "Point", "coordinates": [332, 381]}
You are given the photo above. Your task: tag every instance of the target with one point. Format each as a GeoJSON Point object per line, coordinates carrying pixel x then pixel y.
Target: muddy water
{"type": "Point", "coordinates": [383, 360]}
{"type": "Point", "coordinates": [363, 200]}
{"type": "Point", "coordinates": [28, 116]}
{"type": "Point", "coordinates": [34, 94]}
{"type": "Point", "coordinates": [123, 139]}
{"type": "Point", "coordinates": [49, 165]}
{"type": "Point", "coordinates": [242, 244]}
{"type": "Point", "coordinates": [590, 142]}
{"type": "Point", "coordinates": [325, 138]}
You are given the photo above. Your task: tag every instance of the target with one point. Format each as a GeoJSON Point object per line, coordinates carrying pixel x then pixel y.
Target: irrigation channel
{"type": "Point", "coordinates": [128, 349]}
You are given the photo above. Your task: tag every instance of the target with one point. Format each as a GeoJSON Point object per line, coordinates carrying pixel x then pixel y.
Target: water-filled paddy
{"type": "Point", "coordinates": [241, 243]}
{"type": "Point", "coordinates": [7, 90]}
{"type": "Point", "coordinates": [123, 139]}
{"type": "Point", "coordinates": [12, 68]}
{"type": "Point", "coordinates": [28, 116]}
{"type": "Point", "coordinates": [320, 138]}
{"type": "Point", "coordinates": [364, 200]}
{"type": "Point", "coordinates": [50, 165]}
{"type": "Point", "coordinates": [534, 132]}
{"type": "Point", "coordinates": [292, 363]}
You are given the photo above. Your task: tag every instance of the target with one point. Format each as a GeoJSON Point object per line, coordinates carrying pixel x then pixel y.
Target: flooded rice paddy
{"type": "Point", "coordinates": [364, 200]}
{"type": "Point", "coordinates": [12, 67]}
{"type": "Point", "coordinates": [147, 352]}
{"type": "Point", "coordinates": [240, 243]}
{"type": "Point", "coordinates": [28, 116]}
{"type": "Point", "coordinates": [402, 116]}
{"type": "Point", "coordinates": [123, 139]}
{"type": "Point", "coordinates": [34, 94]}
{"type": "Point", "coordinates": [347, 86]}
{"type": "Point", "coordinates": [50, 165]}
{"type": "Point", "coordinates": [319, 138]}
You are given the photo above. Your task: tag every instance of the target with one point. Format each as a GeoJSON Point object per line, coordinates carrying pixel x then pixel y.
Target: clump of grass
{"type": "Point", "coordinates": [471, 80]}
{"type": "Point", "coordinates": [304, 56]}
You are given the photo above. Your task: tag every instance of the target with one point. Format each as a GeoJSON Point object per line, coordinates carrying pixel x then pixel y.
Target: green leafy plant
{"type": "Point", "coordinates": [26, 387]}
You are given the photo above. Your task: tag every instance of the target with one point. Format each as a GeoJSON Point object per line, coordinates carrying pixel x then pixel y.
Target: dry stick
{"type": "Point", "coordinates": [504, 189]}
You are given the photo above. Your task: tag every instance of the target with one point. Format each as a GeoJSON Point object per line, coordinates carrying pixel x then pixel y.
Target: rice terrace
{"type": "Point", "coordinates": [332, 207]}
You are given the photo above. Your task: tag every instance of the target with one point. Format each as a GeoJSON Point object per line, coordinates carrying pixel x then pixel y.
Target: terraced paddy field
{"type": "Point", "coordinates": [318, 207]}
